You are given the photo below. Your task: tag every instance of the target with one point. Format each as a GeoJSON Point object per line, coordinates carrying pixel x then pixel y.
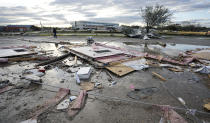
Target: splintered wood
{"type": "Point", "coordinates": [175, 70]}
{"type": "Point", "coordinates": [159, 76]}
{"type": "Point", "coordinates": [207, 106]}
{"type": "Point", "coordinates": [7, 88]}
{"type": "Point", "coordinates": [120, 69]}
{"type": "Point", "coordinates": [52, 102]}
{"type": "Point", "coordinates": [78, 104]}
{"type": "Point", "coordinates": [62, 93]}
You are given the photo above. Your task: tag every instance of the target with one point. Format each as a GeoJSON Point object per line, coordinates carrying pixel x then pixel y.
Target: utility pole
{"type": "Point", "coordinates": [41, 26]}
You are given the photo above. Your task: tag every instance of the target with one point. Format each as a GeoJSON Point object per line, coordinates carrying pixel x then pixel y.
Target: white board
{"type": "Point", "coordinates": [4, 53]}
{"type": "Point", "coordinates": [89, 51]}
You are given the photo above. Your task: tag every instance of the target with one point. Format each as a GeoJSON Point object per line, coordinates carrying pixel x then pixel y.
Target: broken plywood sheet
{"type": "Point", "coordinates": [137, 64]}
{"type": "Point", "coordinates": [126, 51]}
{"type": "Point", "coordinates": [125, 60]}
{"type": "Point", "coordinates": [100, 52]}
{"type": "Point", "coordinates": [120, 69]}
{"type": "Point", "coordinates": [6, 53]}
{"type": "Point", "coordinates": [171, 116]}
{"type": "Point", "coordinates": [202, 55]}
{"type": "Point", "coordinates": [113, 58]}
{"type": "Point", "coordinates": [88, 86]}
{"type": "Point", "coordinates": [207, 106]}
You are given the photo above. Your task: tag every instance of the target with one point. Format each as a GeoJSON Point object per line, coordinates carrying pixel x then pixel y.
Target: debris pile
{"type": "Point", "coordinates": [82, 60]}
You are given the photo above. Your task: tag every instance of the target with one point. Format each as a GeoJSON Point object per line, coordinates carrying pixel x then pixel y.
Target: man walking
{"type": "Point", "coordinates": [54, 32]}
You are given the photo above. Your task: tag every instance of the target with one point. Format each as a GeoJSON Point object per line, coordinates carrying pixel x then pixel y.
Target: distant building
{"type": "Point", "coordinates": [18, 28]}
{"type": "Point", "coordinates": [93, 25]}
{"type": "Point", "coordinates": [2, 28]}
{"type": "Point", "coordinates": [186, 23]}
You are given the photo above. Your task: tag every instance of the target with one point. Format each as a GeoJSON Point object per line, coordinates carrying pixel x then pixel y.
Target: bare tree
{"type": "Point", "coordinates": [155, 15]}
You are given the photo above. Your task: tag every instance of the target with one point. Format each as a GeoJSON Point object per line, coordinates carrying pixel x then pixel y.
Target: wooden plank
{"type": "Point", "coordinates": [113, 58]}
{"type": "Point", "coordinates": [22, 59]}
{"type": "Point", "coordinates": [8, 53]}
{"type": "Point", "coordinates": [125, 60]}
{"type": "Point", "coordinates": [120, 69]}
{"type": "Point", "coordinates": [78, 104]}
{"type": "Point", "coordinates": [175, 70]}
{"type": "Point", "coordinates": [159, 76]}
{"type": "Point", "coordinates": [54, 60]}
{"type": "Point", "coordinates": [7, 88]}
{"type": "Point", "coordinates": [19, 59]}
{"type": "Point", "coordinates": [51, 102]}
{"type": "Point", "coordinates": [202, 55]}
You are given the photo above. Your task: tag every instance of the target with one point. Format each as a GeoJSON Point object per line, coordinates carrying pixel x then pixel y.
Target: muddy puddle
{"type": "Point", "coordinates": [170, 49]}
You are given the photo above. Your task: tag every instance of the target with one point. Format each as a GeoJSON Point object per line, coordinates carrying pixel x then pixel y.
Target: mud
{"type": "Point", "coordinates": [17, 104]}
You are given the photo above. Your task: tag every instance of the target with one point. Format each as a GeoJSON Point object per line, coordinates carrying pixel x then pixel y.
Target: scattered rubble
{"type": "Point", "coordinates": [4, 83]}
{"type": "Point", "coordinates": [82, 61]}
{"type": "Point", "coordinates": [204, 70]}
{"type": "Point", "coordinates": [32, 78]}
{"type": "Point", "coordinates": [63, 105]}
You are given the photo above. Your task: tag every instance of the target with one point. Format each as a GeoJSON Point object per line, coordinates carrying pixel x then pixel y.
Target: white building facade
{"type": "Point", "coordinates": [93, 25]}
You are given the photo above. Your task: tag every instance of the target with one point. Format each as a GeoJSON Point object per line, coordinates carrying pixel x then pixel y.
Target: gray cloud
{"type": "Point", "coordinates": [205, 22]}
{"type": "Point", "coordinates": [202, 6]}
{"type": "Point", "coordinates": [55, 16]}
{"type": "Point", "coordinates": [16, 8]}
{"type": "Point", "coordinates": [202, 21]}
{"type": "Point", "coordinates": [177, 5]}
{"type": "Point", "coordinates": [79, 3]}
{"type": "Point", "coordinates": [126, 11]}
{"type": "Point", "coordinates": [131, 7]}
{"type": "Point", "coordinates": [15, 15]}
{"type": "Point", "coordinates": [89, 14]}
{"type": "Point", "coordinates": [118, 19]}
{"type": "Point", "coordinates": [10, 21]}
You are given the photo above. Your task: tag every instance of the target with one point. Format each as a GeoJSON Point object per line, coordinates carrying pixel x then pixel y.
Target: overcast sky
{"type": "Point", "coordinates": [62, 12]}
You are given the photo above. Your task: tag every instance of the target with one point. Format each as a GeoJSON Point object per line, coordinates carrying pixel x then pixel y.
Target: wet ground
{"type": "Point", "coordinates": [17, 104]}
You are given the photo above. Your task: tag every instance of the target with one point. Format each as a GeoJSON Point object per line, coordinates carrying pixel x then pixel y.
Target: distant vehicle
{"type": "Point", "coordinates": [90, 40]}
{"type": "Point", "coordinates": [134, 33]}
